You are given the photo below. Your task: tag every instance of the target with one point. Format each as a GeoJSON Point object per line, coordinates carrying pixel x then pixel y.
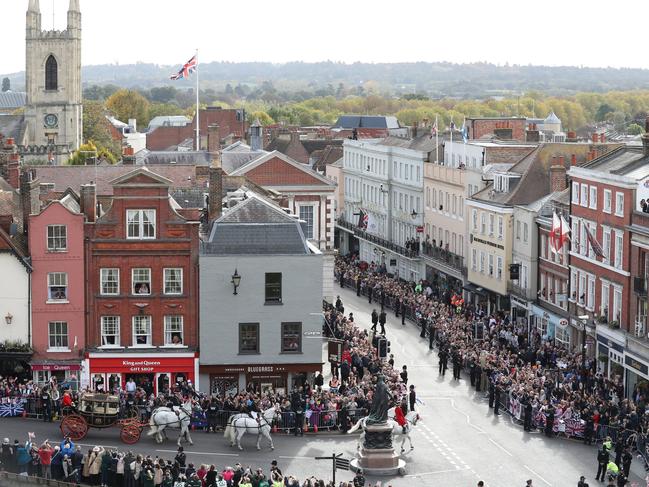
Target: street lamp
{"type": "Point", "coordinates": [8, 318]}
{"type": "Point", "coordinates": [583, 319]}
{"type": "Point", "coordinates": [236, 280]}
{"type": "Point", "coordinates": [413, 214]}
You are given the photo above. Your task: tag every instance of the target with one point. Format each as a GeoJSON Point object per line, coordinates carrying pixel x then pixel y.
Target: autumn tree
{"type": "Point", "coordinates": [125, 104]}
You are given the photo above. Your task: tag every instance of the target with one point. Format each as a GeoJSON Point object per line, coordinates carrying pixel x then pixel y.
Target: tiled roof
{"type": "Point", "coordinates": [13, 126]}
{"type": "Point", "coordinates": [63, 177]}
{"type": "Point", "coordinates": [12, 99]}
{"type": "Point", "coordinates": [176, 157]}
{"type": "Point", "coordinates": [367, 121]}
{"type": "Point", "coordinates": [329, 155]}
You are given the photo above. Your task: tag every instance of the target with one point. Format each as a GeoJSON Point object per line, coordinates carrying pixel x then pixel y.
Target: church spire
{"type": "Point", "coordinates": [74, 19]}
{"type": "Point", "coordinates": [33, 18]}
{"type": "Point", "coordinates": [34, 6]}
{"type": "Point", "coordinates": [74, 6]}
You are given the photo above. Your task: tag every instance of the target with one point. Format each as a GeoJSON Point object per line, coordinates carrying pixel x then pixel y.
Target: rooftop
{"type": "Point", "coordinates": [367, 121]}
{"type": "Point", "coordinates": [10, 100]}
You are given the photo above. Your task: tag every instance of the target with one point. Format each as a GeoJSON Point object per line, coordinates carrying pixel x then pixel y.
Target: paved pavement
{"type": "Point", "coordinates": [458, 442]}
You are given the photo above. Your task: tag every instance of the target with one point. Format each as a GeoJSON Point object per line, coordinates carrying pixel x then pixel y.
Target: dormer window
{"type": "Point", "coordinates": [502, 182]}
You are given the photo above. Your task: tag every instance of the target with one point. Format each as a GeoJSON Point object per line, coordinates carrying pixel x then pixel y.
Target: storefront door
{"type": "Point", "coordinates": [163, 382]}
{"type": "Point", "coordinates": [144, 381]}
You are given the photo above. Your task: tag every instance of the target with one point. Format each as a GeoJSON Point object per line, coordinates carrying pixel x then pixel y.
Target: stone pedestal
{"type": "Point", "coordinates": [377, 457]}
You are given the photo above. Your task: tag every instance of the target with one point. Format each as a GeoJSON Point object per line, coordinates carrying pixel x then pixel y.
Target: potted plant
{"type": "Point", "coordinates": [614, 324]}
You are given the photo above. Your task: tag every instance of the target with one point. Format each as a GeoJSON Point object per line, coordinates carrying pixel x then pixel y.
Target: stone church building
{"type": "Point", "coordinates": [51, 127]}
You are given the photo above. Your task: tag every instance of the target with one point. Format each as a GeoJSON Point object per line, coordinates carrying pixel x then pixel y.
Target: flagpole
{"type": "Point", "coordinates": [448, 163]}
{"type": "Point", "coordinates": [198, 121]}
{"type": "Point", "coordinates": [436, 141]}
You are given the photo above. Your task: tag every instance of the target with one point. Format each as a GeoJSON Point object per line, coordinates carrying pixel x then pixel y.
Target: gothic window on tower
{"type": "Point", "coordinates": [51, 74]}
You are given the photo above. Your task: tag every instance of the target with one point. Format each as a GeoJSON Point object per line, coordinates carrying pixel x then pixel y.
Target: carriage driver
{"type": "Point", "coordinates": [400, 414]}
{"type": "Point", "coordinates": [251, 408]}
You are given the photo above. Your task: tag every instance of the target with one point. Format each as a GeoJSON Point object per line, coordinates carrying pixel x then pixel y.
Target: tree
{"type": "Point", "coordinates": [634, 129]}
{"type": "Point", "coordinates": [125, 104]}
{"type": "Point", "coordinates": [6, 84]}
{"type": "Point", "coordinates": [163, 94]}
{"type": "Point", "coordinates": [164, 109]}
{"type": "Point", "coordinates": [96, 128]}
{"type": "Point", "coordinates": [602, 112]}
{"type": "Point", "coordinates": [262, 116]}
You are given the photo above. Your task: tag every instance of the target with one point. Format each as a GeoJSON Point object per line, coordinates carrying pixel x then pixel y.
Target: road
{"type": "Point", "coordinates": [458, 442]}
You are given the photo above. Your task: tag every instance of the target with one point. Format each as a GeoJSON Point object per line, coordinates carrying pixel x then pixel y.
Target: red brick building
{"type": "Point", "coordinates": [605, 193]}
{"type": "Point", "coordinates": [231, 123]}
{"type": "Point", "coordinates": [501, 127]}
{"type": "Point", "coordinates": [142, 286]}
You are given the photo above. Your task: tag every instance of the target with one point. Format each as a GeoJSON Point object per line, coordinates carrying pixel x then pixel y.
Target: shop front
{"type": "Point", "coordinates": [610, 354]}
{"type": "Point", "coordinates": [153, 372]}
{"type": "Point", "coordinates": [225, 380]}
{"type": "Point", "coordinates": [66, 373]}
{"type": "Point", "coordinates": [637, 375]}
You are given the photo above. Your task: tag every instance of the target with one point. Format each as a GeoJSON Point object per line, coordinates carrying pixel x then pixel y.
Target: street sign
{"type": "Point", "coordinates": [313, 333]}
{"type": "Point", "coordinates": [420, 229]}
{"type": "Point", "coordinates": [342, 464]}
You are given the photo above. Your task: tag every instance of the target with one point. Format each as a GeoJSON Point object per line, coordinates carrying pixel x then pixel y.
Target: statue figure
{"type": "Point", "coordinates": [380, 403]}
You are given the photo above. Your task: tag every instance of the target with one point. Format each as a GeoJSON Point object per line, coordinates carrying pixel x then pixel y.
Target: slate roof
{"type": "Point", "coordinates": [256, 227]}
{"type": "Point", "coordinates": [189, 197]}
{"type": "Point", "coordinates": [422, 143]}
{"type": "Point", "coordinates": [10, 100]}
{"type": "Point", "coordinates": [13, 126]}
{"type": "Point", "coordinates": [202, 158]}
{"type": "Point", "coordinates": [367, 121]}
{"type": "Point", "coordinates": [63, 177]}
{"type": "Point", "coordinates": [233, 160]}
{"type": "Point", "coordinates": [168, 121]}
{"type": "Point", "coordinates": [328, 156]}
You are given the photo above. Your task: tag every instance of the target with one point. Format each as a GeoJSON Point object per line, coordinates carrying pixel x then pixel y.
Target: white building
{"type": "Point", "coordinates": [384, 179]}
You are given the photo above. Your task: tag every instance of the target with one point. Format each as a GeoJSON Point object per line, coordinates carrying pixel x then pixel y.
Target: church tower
{"type": "Point", "coordinates": [54, 114]}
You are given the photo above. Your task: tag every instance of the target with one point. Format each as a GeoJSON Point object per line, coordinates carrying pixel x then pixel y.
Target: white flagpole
{"type": "Point", "coordinates": [198, 121]}
{"type": "Point", "coordinates": [436, 141]}
{"type": "Point", "coordinates": [448, 163]}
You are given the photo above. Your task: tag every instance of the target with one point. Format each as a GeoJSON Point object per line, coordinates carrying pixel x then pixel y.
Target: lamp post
{"type": "Point", "coordinates": [236, 280]}
{"type": "Point", "coordinates": [583, 319]}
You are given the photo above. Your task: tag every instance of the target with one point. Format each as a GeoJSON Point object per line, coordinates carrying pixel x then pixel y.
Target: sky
{"type": "Point", "coordinates": [553, 32]}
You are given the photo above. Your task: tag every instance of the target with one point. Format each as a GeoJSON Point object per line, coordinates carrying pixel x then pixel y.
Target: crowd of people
{"type": "Point", "coordinates": [553, 385]}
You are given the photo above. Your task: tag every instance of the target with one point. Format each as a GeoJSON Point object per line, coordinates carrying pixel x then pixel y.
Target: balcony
{"type": "Point", "coordinates": [450, 175]}
{"type": "Point", "coordinates": [381, 242]}
{"type": "Point", "coordinates": [444, 257]}
{"type": "Point", "coordinates": [640, 285]}
{"type": "Point", "coordinates": [521, 291]}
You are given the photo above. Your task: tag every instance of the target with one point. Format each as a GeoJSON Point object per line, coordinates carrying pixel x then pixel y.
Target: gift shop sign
{"type": "Point", "coordinates": [140, 365]}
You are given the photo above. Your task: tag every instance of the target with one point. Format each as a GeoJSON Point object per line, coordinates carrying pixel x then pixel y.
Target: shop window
{"type": "Point", "coordinates": [542, 326]}
{"type": "Point", "coordinates": [57, 238]}
{"type": "Point", "coordinates": [141, 281]}
{"type": "Point", "coordinates": [273, 287]}
{"type": "Point", "coordinates": [224, 386]}
{"type": "Point", "coordinates": [174, 330]}
{"type": "Point", "coordinates": [140, 224]}
{"type": "Point", "coordinates": [248, 337]}
{"type": "Point", "coordinates": [57, 283]}
{"type": "Point", "coordinates": [109, 282]}
{"type": "Point", "coordinates": [562, 337]}
{"type": "Point", "coordinates": [110, 331]}
{"type": "Point", "coordinates": [141, 331]}
{"type": "Point", "coordinates": [58, 333]}
{"type": "Point", "coordinates": [173, 281]}
{"type": "Point", "coordinates": [291, 337]}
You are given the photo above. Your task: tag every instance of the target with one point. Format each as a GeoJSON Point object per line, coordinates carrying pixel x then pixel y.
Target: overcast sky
{"type": "Point", "coordinates": [553, 32]}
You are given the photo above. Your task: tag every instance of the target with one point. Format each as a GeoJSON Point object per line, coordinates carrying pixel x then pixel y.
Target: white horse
{"type": "Point", "coordinates": [397, 430]}
{"type": "Point", "coordinates": [178, 417]}
{"type": "Point", "coordinates": [239, 424]}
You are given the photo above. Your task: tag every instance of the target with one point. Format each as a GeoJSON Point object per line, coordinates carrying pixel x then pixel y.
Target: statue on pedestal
{"type": "Point", "coordinates": [380, 403]}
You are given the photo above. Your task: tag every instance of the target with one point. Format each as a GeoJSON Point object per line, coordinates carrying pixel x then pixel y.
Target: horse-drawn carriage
{"type": "Point", "coordinates": [101, 411]}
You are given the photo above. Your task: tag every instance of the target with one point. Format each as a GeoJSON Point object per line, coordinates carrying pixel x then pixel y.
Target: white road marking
{"type": "Point", "coordinates": [296, 458]}
{"type": "Point", "coordinates": [540, 478]}
{"type": "Point", "coordinates": [430, 473]}
{"type": "Point", "coordinates": [202, 453]}
{"type": "Point", "coordinates": [501, 447]}
{"type": "Point", "coordinates": [105, 446]}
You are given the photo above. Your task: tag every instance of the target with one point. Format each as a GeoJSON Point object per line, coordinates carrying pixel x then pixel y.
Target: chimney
{"type": "Point", "coordinates": [213, 138]}
{"type": "Point", "coordinates": [295, 137]}
{"type": "Point", "coordinates": [414, 130]}
{"type": "Point", "coordinates": [132, 123]}
{"type": "Point", "coordinates": [13, 170]}
{"type": "Point", "coordinates": [645, 138]}
{"type": "Point", "coordinates": [128, 156]}
{"type": "Point", "coordinates": [215, 194]}
{"type": "Point", "coordinates": [256, 136]}
{"type": "Point", "coordinates": [595, 138]}
{"type": "Point", "coordinates": [562, 161]}
{"type": "Point", "coordinates": [557, 178]}
{"type": "Point", "coordinates": [573, 160]}
{"type": "Point", "coordinates": [29, 197]}
{"type": "Point", "coordinates": [88, 202]}
{"type": "Point", "coordinates": [602, 137]}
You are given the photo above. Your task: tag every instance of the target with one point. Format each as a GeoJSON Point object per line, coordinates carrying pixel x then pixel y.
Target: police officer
{"type": "Point", "coordinates": [457, 364]}
{"type": "Point", "coordinates": [527, 421]}
{"type": "Point", "coordinates": [212, 415]}
{"type": "Point", "coordinates": [297, 405]}
{"type": "Point", "coordinates": [492, 393]}
{"type": "Point", "coordinates": [431, 335]}
{"type": "Point", "coordinates": [412, 397]}
{"type": "Point", "coordinates": [403, 312]}
{"type": "Point", "coordinates": [626, 461]}
{"type": "Point", "coordinates": [46, 400]}
{"type": "Point", "coordinates": [443, 360]}
{"type": "Point", "coordinates": [497, 392]}
{"type": "Point", "coordinates": [382, 320]}
{"type": "Point", "coordinates": [375, 320]}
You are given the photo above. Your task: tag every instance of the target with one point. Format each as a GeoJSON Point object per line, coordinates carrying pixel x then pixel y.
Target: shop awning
{"type": "Point", "coordinates": [472, 288]}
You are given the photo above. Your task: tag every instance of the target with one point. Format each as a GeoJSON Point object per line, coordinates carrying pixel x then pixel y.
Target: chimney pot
{"type": "Point", "coordinates": [573, 160]}
{"type": "Point", "coordinates": [88, 201]}
{"type": "Point", "coordinates": [602, 137]}
{"type": "Point", "coordinates": [562, 161]}
{"type": "Point", "coordinates": [215, 194]}
{"type": "Point", "coordinates": [213, 138]}
{"type": "Point", "coordinates": [595, 138]}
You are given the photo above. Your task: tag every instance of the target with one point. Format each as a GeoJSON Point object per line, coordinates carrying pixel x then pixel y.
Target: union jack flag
{"type": "Point", "coordinates": [13, 408]}
{"type": "Point", "coordinates": [188, 68]}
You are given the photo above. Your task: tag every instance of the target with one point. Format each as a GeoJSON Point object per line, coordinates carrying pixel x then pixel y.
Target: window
{"type": "Point", "coordinates": [592, 200]}
{"type": "Point", "coordinates": [291, 337]}
{"type": "Point", "coordinates": [483, 223]}
{"type": "Point", "coordinates": [525, 232]}
{"type": "Point", "coordinates": [592, 227]}
{"type": "Point", "coordinates": [574, 240]}
{"type": "Point", "coordinates": [619, 204]}
{"type": "Point", "coordinates": [499, 267]}
{"type": "Point", "coordinates": [491, 264]}
{"type": "Point", "coordinates": [606, 245]}
{"type": "Point", "coordinates": [617, 304]}
{"type": "Point", "coordinates": [518, 230]}
{"type": "Point", "coordinates": [590, 301]}
{"type": "Point", "coordinates": [562, 337]}
{"type": "Point", "coordinates": [500, 227]}
{"type": "Point", "coordinates": [583, 239]}
{"type": "Point", "coordinates": [109, 281]}
{"type": "Point", "coordinates": [474, 260]}
{"type": "Point", "coordinates": [474, 218]}
{"type": "Point", "coordinates": [51, 74]}
{"type": "Point", "coordinates": [57, 283]}
{"type": "Point", "coordinates": [141, 330]}
{"type": "Point", "coordinates": [140, 224]}
{"type": "Point", "coordinates": [110, 331]}
{"type": "Point", "coordinates": [173, 330]}
{"type": "Point", "coordinates": [141, 279]}
{"type": "Point", "coordinates": [427, 197]}
{"type": "Point", "coordinates": [273, 287]}
{"type": "Point", "coordinates": [619, 236]}
{"type": "Point", "coordinates": [482, 261]}
{"type": "Point", "coordinates": [58, 334]}
{"type": "Point", "coordinates": [573, 285]}
{"type": "Point", "coordinates": [492, 219]}
{"type": "Point", "coordinates": [248, 337]}
{"type": "Point", "coordinates": [607, 200]}
{"type": "Point", "coordinates": [57, 238]}
{"type": "Point", "coordinates": [544, 246]}
{"type": "Point", "coordinates": [575, 193]}
{"type": "Point", "coordinates": [173, 281]}
{"type": "Point", "coordinates": [582, 289]}
{"type": "Point", "coordinates": [605, 295]}
{"type": "Point", "coordinates": [583, 195]}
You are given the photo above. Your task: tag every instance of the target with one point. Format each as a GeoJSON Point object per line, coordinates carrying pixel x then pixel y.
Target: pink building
{"type": "Point", "coordinates": [58, 299]}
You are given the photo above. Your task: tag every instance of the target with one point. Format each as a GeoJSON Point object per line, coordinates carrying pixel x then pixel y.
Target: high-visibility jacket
{"type": "Point", "coordinates": [612, 467]}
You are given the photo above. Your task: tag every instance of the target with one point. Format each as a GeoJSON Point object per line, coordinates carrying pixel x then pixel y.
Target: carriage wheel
{"type": "Point", "coordinates": [131, 412]}
{"type": "Point", "coordinates": [130, 433]}
{"type": "Point", "coordinates": [74, 426]}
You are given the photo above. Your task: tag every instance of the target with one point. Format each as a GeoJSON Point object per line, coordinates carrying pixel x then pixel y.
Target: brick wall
{"type": "Point", "coordinates": [276, 172]}
{"type": "Point", "coordinates": [481, 127]}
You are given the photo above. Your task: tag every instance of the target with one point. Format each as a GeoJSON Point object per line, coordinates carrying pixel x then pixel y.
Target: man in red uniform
{"type": "Point", "coordinates": [400, 417]}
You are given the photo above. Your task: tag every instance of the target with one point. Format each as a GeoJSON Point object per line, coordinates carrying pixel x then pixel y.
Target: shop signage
{"type": "Point", "coordinates": [420, 229]}
{"type": "Point", "coordinates": [636, 364]}
{"type": "Point", "coordinates": [255, 369]}
{"type": "Point", "coordinates": [140, 365]}
{"type": "Point", "coordinates": [56, 367]}
{"type": "Point", "coordinates": [486, 242]}
{"type": "Point", "coordinates": [335, 352]}
{"type": "Point", "coordinates": [563, 322]}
